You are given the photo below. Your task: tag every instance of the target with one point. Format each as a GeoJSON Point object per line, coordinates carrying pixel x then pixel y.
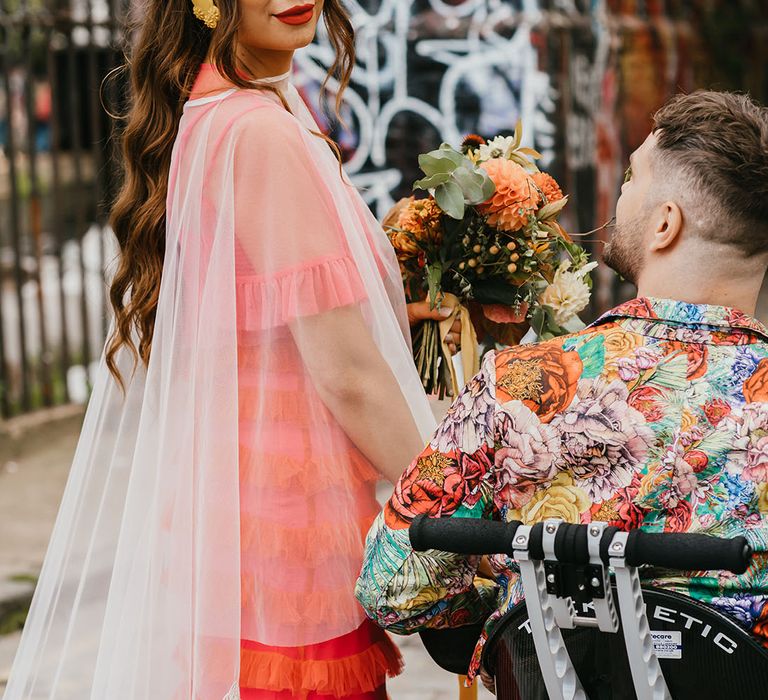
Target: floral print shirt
{"type": "Point", "coordinates": [656, 416]}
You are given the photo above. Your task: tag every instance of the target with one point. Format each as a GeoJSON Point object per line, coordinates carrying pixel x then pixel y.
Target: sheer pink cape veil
{"type": "Point", "coordinates": [140, 593]}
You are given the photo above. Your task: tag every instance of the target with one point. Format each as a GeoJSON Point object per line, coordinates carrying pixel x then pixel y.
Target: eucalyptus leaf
{"type": "Point", "coordinates": [551, 210]}
{"type": "Point", "coordinates": [437, 163]}
{"type": "Point", "coordinates": [450, 199]}
{"type": "Point", "coordinates": [489, 189]}
{"type": "Point", "coordinates": [450, 152]}
{"type": "Point", "coordinates": [428, 183]}
{"type": "Point", "coordinates": [471, 184]}
{"type": "Point", "coordinates": [538, 320]}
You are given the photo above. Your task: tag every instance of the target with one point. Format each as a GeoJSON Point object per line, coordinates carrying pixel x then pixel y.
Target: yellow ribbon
{"type": "Point", "coordinates": [467, 693]}
{"type": "Point", "coordinates": [470, 356]}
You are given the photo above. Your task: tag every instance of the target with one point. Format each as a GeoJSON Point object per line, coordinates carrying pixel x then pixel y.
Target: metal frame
{"type": "Point", "coordinates": [549, 613]}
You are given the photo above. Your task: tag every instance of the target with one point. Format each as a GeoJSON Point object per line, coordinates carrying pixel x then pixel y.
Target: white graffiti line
{"type": "Point", "coordinates": [464, 9]}
{"type": "Point", "coordinates": [376, 188]}
{"type": "Point", "coordinates": [397, 106]}
{"type": "Point", "coordinates": [517, 60]}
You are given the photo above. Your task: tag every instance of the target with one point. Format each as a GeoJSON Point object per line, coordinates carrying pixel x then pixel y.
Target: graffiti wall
{"type": "Point", "coordinates": [585, 77]}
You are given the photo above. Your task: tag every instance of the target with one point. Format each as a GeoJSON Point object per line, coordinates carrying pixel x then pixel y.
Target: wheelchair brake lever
{"type": "Point", "coordinates": [557, 669]}
{"type": "Point", "coordinates": [605, 607]}
{"type": "Point", "coordinates": [646, 673]}
{"type": "Point", "coordinates": [562, 607]}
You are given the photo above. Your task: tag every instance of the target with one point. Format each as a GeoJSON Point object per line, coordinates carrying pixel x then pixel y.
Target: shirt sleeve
{"type": "Point", "coordinates": [292, 258]}
{"type": "Point", "coordinates": [404, 590]}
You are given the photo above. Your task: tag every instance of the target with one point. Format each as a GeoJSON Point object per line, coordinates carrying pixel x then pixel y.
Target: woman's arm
{"type": "Point", "coordinates": [356, 384]}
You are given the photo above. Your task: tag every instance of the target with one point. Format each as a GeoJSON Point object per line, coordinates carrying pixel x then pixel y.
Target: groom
{"type": "Point", "coordinates": [656, 415]}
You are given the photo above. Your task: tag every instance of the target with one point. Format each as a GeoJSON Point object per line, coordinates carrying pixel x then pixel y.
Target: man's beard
{"type": "Point", "coordinates": [622, 253]}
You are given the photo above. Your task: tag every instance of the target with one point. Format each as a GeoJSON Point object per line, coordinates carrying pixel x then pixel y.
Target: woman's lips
{"type": "Point", "coordinates": [300, 14]}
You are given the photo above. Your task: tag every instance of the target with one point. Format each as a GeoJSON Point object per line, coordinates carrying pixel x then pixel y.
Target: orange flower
{"type": "Point", "coordinates": [544, 377]}
{"type": "Point", "coordinates": [548, 186]}
{"type": "Point", "coordinates": [404, 245]}
{"type": "Point", "coordinates": [422, 218]}
{"type": "Point", "coordinates": [393, 215]}
{"type": "Point", "coordinates": [515, 198]}
{"type": "Point", "coordinates": [472, 141]}
{"type": "Point", "coordinates": [756, 387]}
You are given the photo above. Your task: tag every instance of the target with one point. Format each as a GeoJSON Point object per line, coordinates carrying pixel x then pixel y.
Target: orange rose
{"type": "Point", "coordinates": [404, 244]}
{"type": "Point", "coordinates": [544, 377]}
{"type": "Point", "coordinates": [756, 387]}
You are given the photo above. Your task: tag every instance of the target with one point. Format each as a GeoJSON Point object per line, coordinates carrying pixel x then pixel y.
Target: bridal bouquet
{"type": "Point", "coordinates": [486, 240]}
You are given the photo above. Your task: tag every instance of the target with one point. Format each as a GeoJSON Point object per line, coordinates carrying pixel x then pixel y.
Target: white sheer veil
{"type": "Point", "coordinates": [139, 595]}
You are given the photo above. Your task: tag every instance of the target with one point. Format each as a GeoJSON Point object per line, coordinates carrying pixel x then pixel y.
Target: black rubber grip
{"type": "Point", "coordinates": [681, 551]}
{"type": "Point", "coordinates": [571, 544]}
{"type": "Point", "coordinates": [688, 552]}
{"type": "Point", "coordinates": [462, 535]}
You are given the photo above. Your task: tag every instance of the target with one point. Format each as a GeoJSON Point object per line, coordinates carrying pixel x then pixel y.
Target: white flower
{"type": "Point", "coordinates": [568, 294]}
{"type": "Point", "coordinates": [499, 147]}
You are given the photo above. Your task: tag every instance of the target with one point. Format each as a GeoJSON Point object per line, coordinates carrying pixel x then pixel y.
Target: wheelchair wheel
{"type": "Point", "coordinates": [703, 654]}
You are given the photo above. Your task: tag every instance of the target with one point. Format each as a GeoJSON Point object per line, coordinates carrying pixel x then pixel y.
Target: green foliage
{"type": "Point", "coordinates": [453, 180]}
{"type": "Point", "coordinates": [543, 322]}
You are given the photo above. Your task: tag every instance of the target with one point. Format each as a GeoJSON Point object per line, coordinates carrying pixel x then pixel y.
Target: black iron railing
{"type": "Point", "coordinates": [56, 180]}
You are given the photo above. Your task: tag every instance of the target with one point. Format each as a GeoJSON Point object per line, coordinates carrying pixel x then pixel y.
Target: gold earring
{"type": "Point", "coordinates": [207, 12]}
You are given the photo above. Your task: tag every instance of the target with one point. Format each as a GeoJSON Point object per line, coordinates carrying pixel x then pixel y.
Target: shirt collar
{"type": "Point", "coordinates": [684, 314]}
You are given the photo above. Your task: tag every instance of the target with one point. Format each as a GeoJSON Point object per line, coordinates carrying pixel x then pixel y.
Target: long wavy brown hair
{"type": "Point", "coordinates": [169, 46]}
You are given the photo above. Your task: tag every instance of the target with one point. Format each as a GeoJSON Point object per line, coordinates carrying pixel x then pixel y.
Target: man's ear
{"type": "Point", "coordinates": [668, 226]}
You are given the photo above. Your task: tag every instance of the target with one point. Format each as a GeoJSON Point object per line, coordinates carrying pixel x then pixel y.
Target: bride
{"type": "Point", "coordinates": [257, 383]}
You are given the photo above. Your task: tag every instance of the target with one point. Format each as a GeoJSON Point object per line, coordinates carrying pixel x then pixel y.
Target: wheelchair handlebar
{"type": "Point", "coordinates": [688, 551]}
{"type": "Point", "coordinates": [671, 550]}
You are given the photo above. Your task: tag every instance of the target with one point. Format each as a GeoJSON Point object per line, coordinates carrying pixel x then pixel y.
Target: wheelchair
{"type": "Point", "coordinates": [583, 633]}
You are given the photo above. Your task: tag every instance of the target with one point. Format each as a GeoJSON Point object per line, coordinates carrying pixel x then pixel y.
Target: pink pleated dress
{"type": "Point", "coordinates": [307, 495]}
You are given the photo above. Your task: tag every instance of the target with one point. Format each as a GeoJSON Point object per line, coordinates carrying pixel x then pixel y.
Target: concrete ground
{"type": "Point", "coordinates": [31, 483]}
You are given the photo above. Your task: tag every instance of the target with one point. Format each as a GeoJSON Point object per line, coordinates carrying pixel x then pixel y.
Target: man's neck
{"type": "Point", "coordinates": [704, 272]}
{"type": "Point", "coordinates": [735, 293]}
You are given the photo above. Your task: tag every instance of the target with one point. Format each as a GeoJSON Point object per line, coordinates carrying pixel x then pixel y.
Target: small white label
{"type": "Point", "coordinates": [667, 645]}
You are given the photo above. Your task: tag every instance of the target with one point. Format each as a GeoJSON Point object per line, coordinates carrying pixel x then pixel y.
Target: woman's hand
{"type": "Point", "coordinates": [419, 311]}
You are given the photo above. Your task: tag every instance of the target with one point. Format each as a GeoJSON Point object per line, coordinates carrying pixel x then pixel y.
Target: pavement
{"type": "Point", "coordinates": [32, 479]}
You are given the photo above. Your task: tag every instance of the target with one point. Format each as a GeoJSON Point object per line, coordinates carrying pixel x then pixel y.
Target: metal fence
{"type": "Point", "coordinates": [56, 179]}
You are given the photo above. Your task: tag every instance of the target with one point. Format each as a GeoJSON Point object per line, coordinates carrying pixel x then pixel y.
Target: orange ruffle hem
{"type": "Point", "coordinates": [351, 667]}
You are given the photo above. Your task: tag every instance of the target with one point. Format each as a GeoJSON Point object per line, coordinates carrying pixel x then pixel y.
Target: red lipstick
{"type": "Point", "coordinates": [299, 14]}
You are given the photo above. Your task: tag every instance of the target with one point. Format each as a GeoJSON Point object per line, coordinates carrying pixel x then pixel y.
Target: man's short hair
{"type": "Point", "coordinates": [717, 142]}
